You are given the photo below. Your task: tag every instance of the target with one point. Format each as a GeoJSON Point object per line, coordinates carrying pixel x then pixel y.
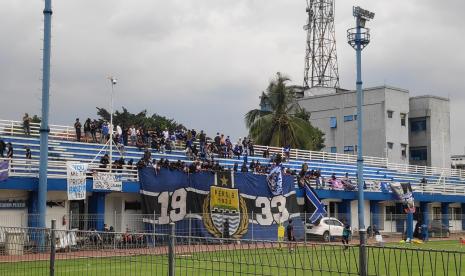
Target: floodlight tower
{"type": "Point", "coordinates": [321, 68]}
{"type": "Point", "coordinates": [44, 128]}
{"type": "Point", "coordinates": [113, 83]}
{"type": "Point", "coordinates": [358, 38]}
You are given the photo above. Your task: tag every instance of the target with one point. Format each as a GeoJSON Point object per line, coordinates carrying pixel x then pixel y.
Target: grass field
{"type": "Point", "coordinates": [406, 259]}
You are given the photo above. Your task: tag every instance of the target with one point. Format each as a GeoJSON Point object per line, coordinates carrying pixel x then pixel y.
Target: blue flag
{"type": "Point", "coordinates": [314, 205]}
{"type": "Point", "coordinates": [3, 170]}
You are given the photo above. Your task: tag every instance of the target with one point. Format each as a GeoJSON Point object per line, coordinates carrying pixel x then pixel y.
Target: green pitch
{"type": "Point", "coordinates": [315, 260]}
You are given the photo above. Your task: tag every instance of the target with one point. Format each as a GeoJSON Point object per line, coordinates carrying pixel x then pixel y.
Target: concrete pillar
{"type": "Point", "coordinates": [445, 213]}
{"type": "Point", "coordinates": [375, 214]}
{"type": "Point", "coordinates": [400, 218]}
{"type": "Point", "coordinates": [463, 216]}
{"type": "Point", "coordinates": [33, 209]}
{"type": "Point", "coordinates": [97, 210]}
{"type": "Point", "coordinates": [424, 214]}
{"type": "Point", "coordinates": [344, 210]}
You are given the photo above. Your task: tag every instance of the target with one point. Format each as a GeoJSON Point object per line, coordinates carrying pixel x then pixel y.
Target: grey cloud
{"type": "Point", "coordinates": [189, 59]}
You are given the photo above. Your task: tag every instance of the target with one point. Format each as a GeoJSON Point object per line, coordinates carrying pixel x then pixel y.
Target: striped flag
{"type": "Point", "coordinates": [313, 205]}
{"type": "Point", "coordinates": [3, 170]}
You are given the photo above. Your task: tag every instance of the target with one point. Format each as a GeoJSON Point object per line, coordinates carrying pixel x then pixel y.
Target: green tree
{"type": "Point", "coordinates": [285, 123]}
{"type": "Point", "coordinates": [141, 119]}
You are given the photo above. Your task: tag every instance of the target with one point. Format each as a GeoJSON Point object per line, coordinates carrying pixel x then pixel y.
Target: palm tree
{"type": "Point", "coordinates": [284, 122]}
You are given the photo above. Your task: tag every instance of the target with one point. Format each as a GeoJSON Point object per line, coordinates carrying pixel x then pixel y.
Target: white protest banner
{"type": "Point", "coordinates": [76, 173]}
{"type": "Point", "coordinates": [107, 181]}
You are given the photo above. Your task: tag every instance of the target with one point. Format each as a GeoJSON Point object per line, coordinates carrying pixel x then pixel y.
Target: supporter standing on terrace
{"type": "Point", "coordinates": [105, 132]}
{"type": "Point", "coordinates": [2, 148]}
{"type": "Point", "coordinates": [77, 126]}
{"type": "Point", "coordinates": [93, 131]}
{"type": "Point", "coordinates": [87, 129]}
{"type": "Point", "coordinates": [287, 152]}
{"type": "Point", "coordinates": [133, 135]}
{"type": "Point", "coordinates": [266, 152]}
{"type": "Point", "coordinates": [104, 161]}
{"type": "Point", "coordinates": [27, 124]}
{"type": "Point", "coordinates": [202, 141]}
{"type": "Point", "coordinates": [9, 153]}
{"type": "Point", "coordinates": [250, 146]}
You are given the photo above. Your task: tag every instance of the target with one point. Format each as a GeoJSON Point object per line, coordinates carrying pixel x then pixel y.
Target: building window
{"type": "Point", "coordinates": [419, 154]}
{"type": "Point", "coordinates": [389, 113]}
{"type": "Point", "coordinates": [349, 149]}
{"type": "Point", "coordinates": [332, 122]}
{"type": "Point", "coordinates": [403, 119]}
{"type": "Point", "coordinates": [457, 213]}
{"type": "Point", "coordinates": [348, 118]}
{"type": "Point", "coordinates": [390, 213]}
{"type": "Point", "coordinates": [416, 126]}
{"type": "Point", "coordinates": [403, 150]}
{"type": "Point", "coordinates": [333, 150]}
{"type": "Point", "coordinates": [390, 145]}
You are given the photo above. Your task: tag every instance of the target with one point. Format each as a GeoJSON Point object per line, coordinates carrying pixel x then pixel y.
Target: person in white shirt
{"type": "Point", "coordinates": [166, 134]}
{"type": "Point", "coordinates": [133, 135]}
{"type": "Point", "coordinates": [119, 130]}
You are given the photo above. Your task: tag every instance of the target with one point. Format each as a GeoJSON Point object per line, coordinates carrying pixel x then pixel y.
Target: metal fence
{"type": "Point", "coordinates": [41, 251]}
{"type": "Point", "coordinates": [391, 226]}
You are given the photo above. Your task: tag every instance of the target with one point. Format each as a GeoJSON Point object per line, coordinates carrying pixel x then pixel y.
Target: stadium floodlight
{"type": "Point", "coordinates": [113, 81]}
{"type": "Point", "coordinates": [358, 38]}
{"type": "Point", "coordinates": [363, 15]}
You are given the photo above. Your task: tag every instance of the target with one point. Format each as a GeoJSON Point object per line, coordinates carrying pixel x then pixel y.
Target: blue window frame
{"type": "Point", "coordinates": [333, 122]}
{"type": "Point", "coordinates": [348, 148]}
{"type": "Point", "coordinates": [348, 118]}
{"type": "Point", "coordinates": [333, 149]}
{"type": "Point", "coordinates": [416, 126]}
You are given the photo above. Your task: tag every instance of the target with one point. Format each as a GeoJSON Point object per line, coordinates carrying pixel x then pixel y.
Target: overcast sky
{"type": "Point", "coordinates": [205, 62]}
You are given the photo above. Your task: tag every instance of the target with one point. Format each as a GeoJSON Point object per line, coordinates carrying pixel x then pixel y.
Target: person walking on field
{"type": "Point", "coordinates": [290, 236]}
{"type": "Point", "coordinates": [345, 236]}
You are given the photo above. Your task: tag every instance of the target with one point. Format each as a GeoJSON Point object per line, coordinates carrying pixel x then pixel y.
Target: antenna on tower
{"type": "Point", "coordinates": [321, 68]}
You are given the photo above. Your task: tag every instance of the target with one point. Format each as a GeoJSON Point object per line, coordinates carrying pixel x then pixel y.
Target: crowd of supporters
{"type": "Point", "coordinates": [201, 150]}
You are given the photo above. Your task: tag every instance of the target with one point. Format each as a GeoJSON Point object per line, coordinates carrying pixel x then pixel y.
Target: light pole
{"type": "Point", "coordinates": [113, 83]}
{"type": "Point", "coordinates": [44, 128]}
{"type": "Point", "coordinates": [358, 38]}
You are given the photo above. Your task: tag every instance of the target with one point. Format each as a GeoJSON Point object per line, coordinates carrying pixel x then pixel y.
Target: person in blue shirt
{"type": "Point", "coordinates": [424, 232]}
{"type": "Point", "coordinates": [105, 132]}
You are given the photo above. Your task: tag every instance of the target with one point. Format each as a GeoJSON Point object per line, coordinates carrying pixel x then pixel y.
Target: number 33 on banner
{"type": "Point", "coordinates": [267, 217]}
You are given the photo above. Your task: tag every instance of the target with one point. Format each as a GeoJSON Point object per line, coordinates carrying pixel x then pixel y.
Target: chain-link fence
{"type": "Point", "coordinates": [390, 225]}
{"type": "Point", "coordinates": [44, 251]}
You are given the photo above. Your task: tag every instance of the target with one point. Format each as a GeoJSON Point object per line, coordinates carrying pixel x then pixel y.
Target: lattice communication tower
{"type": "Point", "coordinates": [321, 68]}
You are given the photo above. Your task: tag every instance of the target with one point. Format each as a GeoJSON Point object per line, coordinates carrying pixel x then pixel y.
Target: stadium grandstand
{"type": "Point", "coordinates": [439, 192]}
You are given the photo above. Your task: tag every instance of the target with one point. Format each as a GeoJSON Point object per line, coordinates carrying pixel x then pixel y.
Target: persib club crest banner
{"type": "Point", "coordinates": [238, 205]}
